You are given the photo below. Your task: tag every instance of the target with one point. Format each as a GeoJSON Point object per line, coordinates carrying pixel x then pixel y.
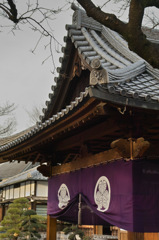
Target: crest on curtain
{"type": "Point", "coordinates": [63, 196]}
{"type": "Point", "coordinates": [102, 194]}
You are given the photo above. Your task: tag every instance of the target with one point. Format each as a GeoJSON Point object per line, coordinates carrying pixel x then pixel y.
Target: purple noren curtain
{"type": "Point", "coordinates": [124, 194]}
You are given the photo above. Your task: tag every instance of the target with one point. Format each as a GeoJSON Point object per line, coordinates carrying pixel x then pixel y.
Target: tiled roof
{"type": "Point", "coordinates": [128, 73]}
{"type": "Point", "coordinates": [129, 76]}
{"type": "Point", "coordinates": [40, 126]}
{"type": "Point", "coordinates": [31, 174]}
{"type": "Point", "coordinates": [6, 140]}
{"type": "Point", "coordinates": [10, 169]}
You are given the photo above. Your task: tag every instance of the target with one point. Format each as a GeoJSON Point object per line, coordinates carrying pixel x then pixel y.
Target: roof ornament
{"type": "Point", "coordinates": [98, 74]}
{"type": "Point", "coordinates": [80, 19]}
{"type": "Point", "coordinates": [76, 20]}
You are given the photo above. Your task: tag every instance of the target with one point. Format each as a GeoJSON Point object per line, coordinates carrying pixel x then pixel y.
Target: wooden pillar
{"type": "Point", "coordinates": [151, 236]}
{"type": "Point", "coordinates": [98, 229]}
{"type": "Point", "coordinates": [51, 228]}
{"type": "Point", "coordinates": [1, 213]}
{"type": "Point", "coordinates": [33, 206]}
{"type": "Point", "coordinates": [135, 236]}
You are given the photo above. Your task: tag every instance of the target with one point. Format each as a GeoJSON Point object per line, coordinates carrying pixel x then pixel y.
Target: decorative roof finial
{"type": "Point", "coordinates": [98, 74]}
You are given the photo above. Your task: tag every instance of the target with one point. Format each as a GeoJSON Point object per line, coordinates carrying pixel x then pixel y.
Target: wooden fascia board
{"type": "Point", "coordinates": [65, 81]}
{"type": "Point", "coordinates": [89, 161]}
{"type": "Point", "coordinates": [71, 121]}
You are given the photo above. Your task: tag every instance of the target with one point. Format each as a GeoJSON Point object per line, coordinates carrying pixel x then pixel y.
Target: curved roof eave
{"type": "Point", "coordinates": [127, 72]}
{"type": "Point", "coordinates": [20, 138]}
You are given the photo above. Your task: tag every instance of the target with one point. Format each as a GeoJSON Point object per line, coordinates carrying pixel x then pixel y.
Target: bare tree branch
{"type": "Point", "coordinates": [109, 20]}
{"type": "Point", "coordinates": [8, 124]}
{"type": "Point", "coordinates": [34, 114]}
{"type": "Point", "coordinates": [150, 3]}
{"type": "Point", "coordinates": [8, 127]}
{"type": "Point", "coordinates": [7, 109]}
{"type": "Point", "coordinates": [38, 18]}
{"type": "Point", "coordinates": [152, 19]}
{"type": "Point", "coordinates": [132, 31]}
{"type": "Point", "coordinates": [13, 10]}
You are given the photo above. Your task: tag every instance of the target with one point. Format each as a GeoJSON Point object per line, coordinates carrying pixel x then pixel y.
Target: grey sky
{"type": "Point", "coordinates": [24, 80]}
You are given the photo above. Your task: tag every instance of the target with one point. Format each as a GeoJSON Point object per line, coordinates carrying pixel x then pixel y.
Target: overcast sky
{"type": "Point", "coordinates": [24, 80]}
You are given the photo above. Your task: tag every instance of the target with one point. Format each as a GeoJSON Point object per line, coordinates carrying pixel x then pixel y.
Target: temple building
{"type": "Point", "coordinates": [30, 184]}
{"type": "Point", "coordinates": [98, 137]}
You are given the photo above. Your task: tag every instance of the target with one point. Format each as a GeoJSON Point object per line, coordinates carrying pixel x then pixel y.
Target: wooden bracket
{"type": "Point", "coordinates": [45, 170]}
{"type": "Point", "coordinates": [130, 148]}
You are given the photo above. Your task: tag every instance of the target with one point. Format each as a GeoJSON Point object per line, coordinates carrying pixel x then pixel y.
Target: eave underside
{"type": "Point", "coordinates": [88, 131]}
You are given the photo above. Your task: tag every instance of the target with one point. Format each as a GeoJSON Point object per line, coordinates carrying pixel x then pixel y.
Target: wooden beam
{"type": "Point", "coordinates": [135, 236]}
{"type": "Point", "coordinates": [151, 236]}
{"type": "Point", "coordinates": [92, 133]}
{"type": "Point", "coordinates": [51, 228]}
{"type": "Point", "coordinates": [85, 162]}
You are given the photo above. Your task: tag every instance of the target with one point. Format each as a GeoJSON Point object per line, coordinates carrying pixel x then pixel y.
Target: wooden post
{"type": "Point", "coordinates": [51, 228]}
{"type": "Point", "coordinates": [33, 205]}
{"type": "Point", "coordinates": [1, 212]}
{"type": "Point", "coordinates": [135, 236]}
{"type": "Point", "coordinates": [151, 236]}
{"type": "Point", "coordinates": [98, 229]}
{"type": "Point", "coordinates": [131, 148]}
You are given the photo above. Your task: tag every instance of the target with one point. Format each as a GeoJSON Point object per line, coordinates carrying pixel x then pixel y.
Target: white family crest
{"type": "Point", "coordinates": [63, 196]}
{"type": "Point", "coordinates": [102, 194]}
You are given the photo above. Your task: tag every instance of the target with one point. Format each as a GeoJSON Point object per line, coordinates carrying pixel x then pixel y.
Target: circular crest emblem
{"type": "Point", "coordinates": [102, 194]}
{"type": "Point", "coordinates": [63, 196]}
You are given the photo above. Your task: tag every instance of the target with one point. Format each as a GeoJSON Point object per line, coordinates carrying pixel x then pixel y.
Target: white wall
{"type": "Point", "coordinates": [16, 192]}
{"type": "Point", "coordinates": [7, 192]}
{"type": "Point", "coordinates": [22, 189]}
{"type": "Point", "coordinates": [11, 192]}
{"type": "Point", "coordinates": [42, 189]}
{"type": "Point", "coordinates": [32, 187]}
{"type": "Point", "coordinates": [26, 189]}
